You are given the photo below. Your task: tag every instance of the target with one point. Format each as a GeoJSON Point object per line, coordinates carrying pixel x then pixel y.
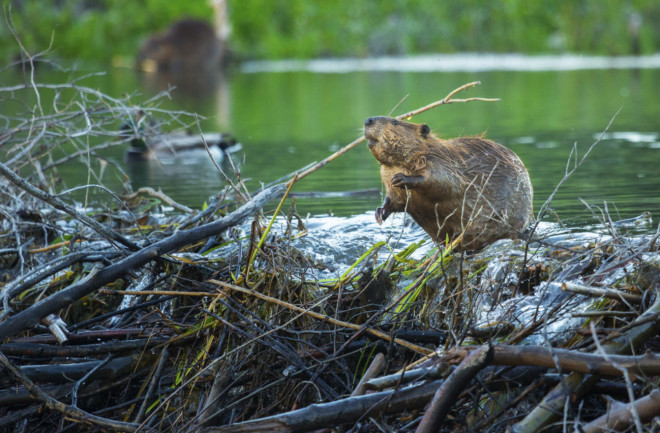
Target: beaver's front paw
{"type": "Point", "coordinates": [400, 180]}
{"type": "Point", "coordinates": [381, 214]}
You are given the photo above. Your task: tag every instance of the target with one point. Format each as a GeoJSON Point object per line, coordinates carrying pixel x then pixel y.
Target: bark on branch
{"type": "Point", "coordinates": [445, 397]}
{"type": "Point", "coordinates": [569, 360]}
{"type": "Point", "coordinates": [337, 412]}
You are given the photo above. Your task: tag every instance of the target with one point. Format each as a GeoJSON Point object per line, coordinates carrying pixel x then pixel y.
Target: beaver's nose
{"type": "Point", "coordinates": [370, 121]}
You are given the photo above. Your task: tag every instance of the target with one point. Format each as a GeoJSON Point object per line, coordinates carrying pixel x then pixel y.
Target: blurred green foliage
{"type": "Point", "coordinates": [91, 29]}
{"type": "Point", "coordinates": [273, 29]}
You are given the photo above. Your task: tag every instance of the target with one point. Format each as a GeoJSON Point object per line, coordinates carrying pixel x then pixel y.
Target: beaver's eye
{"type": "Point", "coordinates": [395, 122]}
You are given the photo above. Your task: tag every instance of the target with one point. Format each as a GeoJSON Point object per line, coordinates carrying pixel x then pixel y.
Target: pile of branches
{"type": "Point", "coordinates": [119, 319]}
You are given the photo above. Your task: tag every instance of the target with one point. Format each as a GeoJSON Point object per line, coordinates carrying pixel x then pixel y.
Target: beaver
{"type": "Point", "coordinates": [468, 185]}
{"type": "Point", "coordinates": [189, 45]}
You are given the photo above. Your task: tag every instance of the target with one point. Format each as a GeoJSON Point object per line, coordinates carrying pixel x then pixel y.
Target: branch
{"type": "Point", "coordinates": [446, 395]}
{"type": "Point", "coordinates": [374, 369]}
{"type": "Point", "coordinates": [571, 360]}
{"type": "Point", "coordinates": [577, 384]}
{"type": "Point", "coordinates": [32, 315]}
{"type": "Point", "coordinates": [602, 293]}
{"type": "Point", "coordinates": [60, 205]}
{"type": "Point", "coordinates": [69, 411]}
{"type": "Point", "coordinates": [448, 100]}
{"type": "Point", "coordinates": [338, 412]}
{"type": "Point", "coordinates": [618, 416]}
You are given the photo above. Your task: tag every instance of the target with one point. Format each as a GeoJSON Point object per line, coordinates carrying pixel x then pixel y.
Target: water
{"type": "Point", "coordinates": [301, 114]}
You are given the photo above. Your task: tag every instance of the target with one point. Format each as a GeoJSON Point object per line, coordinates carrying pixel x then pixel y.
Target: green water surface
{"type": "Point", "coordinates": [287, 120]}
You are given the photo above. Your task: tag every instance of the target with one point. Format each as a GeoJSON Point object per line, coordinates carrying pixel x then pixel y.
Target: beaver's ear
{"type": "Point", "coordinates": [425, 130]}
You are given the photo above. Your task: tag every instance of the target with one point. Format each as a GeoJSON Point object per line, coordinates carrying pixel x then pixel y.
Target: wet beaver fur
{"type": "Point", "coordinates": [466, 185]}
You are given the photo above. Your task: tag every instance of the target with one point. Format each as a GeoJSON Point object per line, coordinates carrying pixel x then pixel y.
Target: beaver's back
{"type": "Point", "coordinates": [490, 194]}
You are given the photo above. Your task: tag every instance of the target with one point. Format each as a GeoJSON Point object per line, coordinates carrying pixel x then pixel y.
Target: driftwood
{"type": "Point", "coordinates": [444, 396]}
{"type": "Point", "coordinates": [63, 373]}
{"type": "Point", "coordinates": [70, 411]}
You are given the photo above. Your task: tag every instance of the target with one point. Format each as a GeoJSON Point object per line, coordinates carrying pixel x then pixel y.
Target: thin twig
{"type": "Point", "coordinates": [60, 205]}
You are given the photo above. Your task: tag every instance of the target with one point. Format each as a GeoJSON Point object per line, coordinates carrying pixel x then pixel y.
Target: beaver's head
{"type": "Point", "coordinates": [393, 141]}
{"type": "Point", "coordinates": [155, 54]}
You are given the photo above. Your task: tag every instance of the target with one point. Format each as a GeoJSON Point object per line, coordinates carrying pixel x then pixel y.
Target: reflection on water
{"type": "Point", "coordinates": [457, 63]}
{"type": "Point", "coordinates": [287, 120]}
{"type": "Point", "coordinates": [189, 174]}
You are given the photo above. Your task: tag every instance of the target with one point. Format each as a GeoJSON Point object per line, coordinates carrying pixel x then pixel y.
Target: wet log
{"type": "Point", "coordinates": [69, 411]}
{"type": "Point", "coordinates": [14, 395]}
{"type": "Point", "coordinates": [94, 336]}
{"type": "Point", "coordinates": [47, 350]}
{"type": "Point", "coordinates": [102, 276]}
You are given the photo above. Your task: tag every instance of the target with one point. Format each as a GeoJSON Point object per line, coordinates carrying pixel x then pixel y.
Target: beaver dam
{"type": "Point", "coordinates": [135, 313]}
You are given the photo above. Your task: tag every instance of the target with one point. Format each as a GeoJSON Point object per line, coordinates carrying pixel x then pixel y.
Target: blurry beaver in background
{"type": "Point", "coordinates": [470, 185]}
{"type": "Point", "coordinates": [188, 46]}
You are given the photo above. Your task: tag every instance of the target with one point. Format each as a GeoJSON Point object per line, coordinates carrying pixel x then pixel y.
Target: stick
{"type": "Point", "coordinates": [374, 332]}
{"type": "Point", "coordinates": [72, 412]}
{"type": "Point", "coordinates": [60, 205]}
{"type": "Point", "coordinates": [602, 293]}
{"type": "Point", "coordinates": [570, 360]}
{"type": "Point", "coordinates": [446, 100]}
{"type": "Point", "coordinates": [33, 314]}
{"type": "Point", "coordinates": [346, 411]}
{"type": "Point", "coordinates": [374, 369]}
{"type": "Point", "coordinates": [577, 384]}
